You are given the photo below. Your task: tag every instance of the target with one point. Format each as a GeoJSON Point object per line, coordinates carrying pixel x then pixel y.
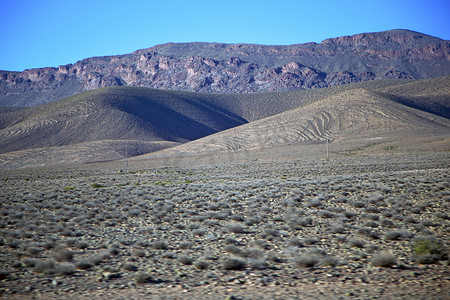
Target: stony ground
{"type": "Point", "coordinates": [353, 227]}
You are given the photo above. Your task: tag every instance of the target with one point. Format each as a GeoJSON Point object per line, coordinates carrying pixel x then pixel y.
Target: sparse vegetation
{"type": "Point", "coordinates": [226, 230]}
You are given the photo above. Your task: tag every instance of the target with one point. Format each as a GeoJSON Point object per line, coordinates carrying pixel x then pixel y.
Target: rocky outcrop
{"type": "Point", "coordinates": [238, 68]}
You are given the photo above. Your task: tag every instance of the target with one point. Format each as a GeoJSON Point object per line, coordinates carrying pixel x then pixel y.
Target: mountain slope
{"type": "Point", "coordinates": [116, 113]}
{"type": "Point", "coordinates": [239, 68]}
{"type": "Point", "coordinates": [111, 123]}
{"type": "Point", "coordinates": [355, 114]}
{"type": "Point", "coordinates": [429, 95]}
{"type": "Point", "coordinates": [133, 113]}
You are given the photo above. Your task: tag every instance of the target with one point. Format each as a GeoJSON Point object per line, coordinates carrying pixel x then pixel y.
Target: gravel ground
{"type": "Point", "coordinates": [355, 227]}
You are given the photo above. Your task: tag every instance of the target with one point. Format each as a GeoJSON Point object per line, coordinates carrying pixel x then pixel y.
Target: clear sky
{"type": "Point", "coordinates": [41, 33]}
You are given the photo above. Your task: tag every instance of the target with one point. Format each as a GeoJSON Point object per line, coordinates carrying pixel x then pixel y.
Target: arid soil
{"type": "Point", "coordinates": [352, 226]}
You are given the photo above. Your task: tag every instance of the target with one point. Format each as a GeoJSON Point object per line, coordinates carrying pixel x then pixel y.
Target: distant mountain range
{"type": "Point", "coordinates": [238, 68]}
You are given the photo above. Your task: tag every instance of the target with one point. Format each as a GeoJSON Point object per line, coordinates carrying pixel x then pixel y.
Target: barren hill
{"type": "Point", "coordinates": [116, 113]}
{"type": "Point", "coordinates": [239, 68]}
{"type": "Point", "coordinates": [111, 123]}
{"type": "Point", "coordinates": [353, 117]}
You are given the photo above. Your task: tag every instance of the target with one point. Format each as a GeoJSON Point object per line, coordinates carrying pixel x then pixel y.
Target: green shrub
{"type": "Point", "coordinates": [428, 250]}
{"type": "Point", "coordinates": [97, 185]}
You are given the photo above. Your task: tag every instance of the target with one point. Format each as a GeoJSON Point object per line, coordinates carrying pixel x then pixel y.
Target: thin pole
{"type": "Point", "coordinates": [126, 154]}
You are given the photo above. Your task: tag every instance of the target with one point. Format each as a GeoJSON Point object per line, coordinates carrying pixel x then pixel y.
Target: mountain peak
{"type": "Point", "coordinates": [239, 68]}
{"type": "Point", "coordinates": [402, 37]}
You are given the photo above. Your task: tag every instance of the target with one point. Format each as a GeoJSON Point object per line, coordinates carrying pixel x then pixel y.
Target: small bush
{"type": "Point", "coordinates": [64, 269]}
{"type": "Point", "coordinates": [428, 250]}
{"type": "Point", "coordinates": [130, 267]}
{"type": "Point", "coordinates": [233, 249]}
{"type": "Point", "coordinates": [34, 250]}
{"type": "Point", "coordinates": [84, 265]}
{"type": "Point", "coordinates": [251, 221]}
{"type": "Point", "coordinates": [82, 245]}
{"type": "Point", "coordinates": [269, 233]}
{"type": "Point", "coordinates": [306, 261]}
{"type": "Point", "coordinates": [356, 243]}
{"type": "Point", "coordinates": [397, 235]}
{"type": "Point", "coordinates": [230, 241]}
{"type": "Point", "coordinates": [160, 245]}
{"type": "Point", "coordinates": [169, 255]}
{"type": "Point", "coordinates": [326, 214]}
{"type": "Point", "coordinates": [99, 258]}
{"type": "Point", "coordinates": [314, 203]}
{"type": "Point", "coordinates": [257, 264]}
{"type": "Point", "coordinates": [338, 228]}
{"type": "Point", "coordinates": [29, 262]}
{"type": "Point", "coordinates": [49, 267]}
{"type": "Point", "coordinates": [310, 241]}
{"type": "Point", "coordinates": [97, 185]}
{"type": "Point", "coordinates": [384, 259]}
{"type": "Point", "coordinates": [234, 263]}
{"type": "Point", "coordinates": [235, 228]}
{"type": "Point", "coordinates": [295, 242]}
{"type": "Point", "coordinates": [185, 245]}
{"type": "Point", "coordinates": [307, 221]}
{"type": "Point", "coordinates": [143, 278]}
{"type": "Point", "coordinates": [113, 250]}
{"type": "Point", "coordinates": [139, 253]}
{"type": "Point", "coordinates": [368, 232]}
{"type": "Point", "coordinates": [372, 209]}
{"type": "Point", "coordinates": [64, 255]}
{"type": "Point", "coordinates": [201, 265]}
{"type": "Point", "coordinates": [329, 261]}
{"type": "Point", "coordinates": [253, 253]}
{"type": "Point", "coordinates": [358, 204]}
{"type": "Point", "coordinates": [262, 244]}
{"type": "Point", "coordinates": [186, 260]}
{"type": "Point", "coordinates": [4, 274]}
{"type": "Point", "coordinates": [44, 267]}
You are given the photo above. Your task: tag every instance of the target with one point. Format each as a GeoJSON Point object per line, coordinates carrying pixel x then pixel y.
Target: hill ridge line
{"type": "Point", "coordinates": [239, 68]}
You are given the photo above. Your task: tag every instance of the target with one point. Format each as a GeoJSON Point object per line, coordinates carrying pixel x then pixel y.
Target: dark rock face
{"type": "Point", "coordinates": [238, 68]}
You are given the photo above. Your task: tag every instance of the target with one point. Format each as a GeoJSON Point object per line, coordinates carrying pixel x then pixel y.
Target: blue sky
{"type": "Point", "coordinates": [41, 33]}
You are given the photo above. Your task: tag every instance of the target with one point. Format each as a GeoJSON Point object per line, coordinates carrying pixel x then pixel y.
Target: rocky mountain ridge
{"type": "Point", "coordinates": [238, 68]}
